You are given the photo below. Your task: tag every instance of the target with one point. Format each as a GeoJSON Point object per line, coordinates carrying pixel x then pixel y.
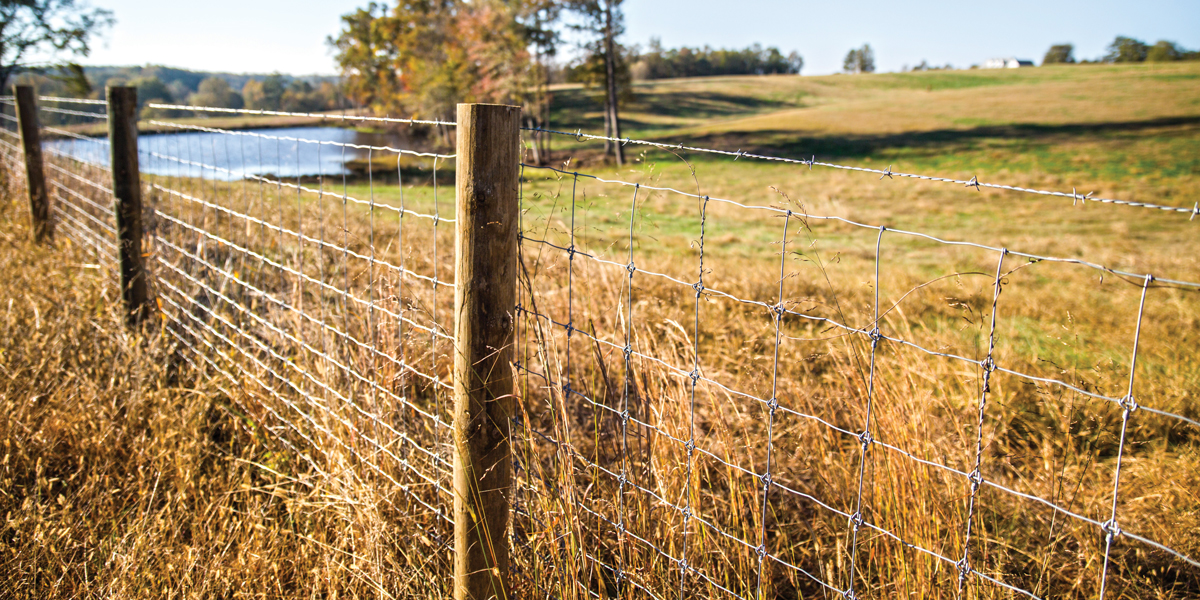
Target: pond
{"type": "Point", "coordinates": [244, 152]}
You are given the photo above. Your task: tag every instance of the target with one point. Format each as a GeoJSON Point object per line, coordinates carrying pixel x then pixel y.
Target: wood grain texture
{"type": "Point", "coordinates": [35, 177]}
{"type": "Point", "coordinates": [484, 300]}
{"type": "Point", "coordinates": [127, 199]}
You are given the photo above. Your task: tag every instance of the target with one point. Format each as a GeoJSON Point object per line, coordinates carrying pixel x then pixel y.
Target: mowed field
{"type": "Point", "coordinates": [127, 472]}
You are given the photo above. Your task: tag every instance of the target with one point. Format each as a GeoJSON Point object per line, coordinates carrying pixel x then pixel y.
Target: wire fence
{"type": "Point", "coordinates": [336, 305]}
{"type": "Point", "coordinates": [718, 397]}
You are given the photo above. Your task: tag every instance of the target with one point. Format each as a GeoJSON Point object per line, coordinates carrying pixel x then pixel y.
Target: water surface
{"type": "Point", "coordinates": [229, 156]}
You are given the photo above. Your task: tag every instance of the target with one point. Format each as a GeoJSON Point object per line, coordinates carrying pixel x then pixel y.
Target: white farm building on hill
{"type": "Point", "coordinates": [1006, 63]}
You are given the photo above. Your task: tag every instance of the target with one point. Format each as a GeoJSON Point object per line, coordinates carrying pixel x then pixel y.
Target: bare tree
{"type": "Point", "coordinates": [605, 19]}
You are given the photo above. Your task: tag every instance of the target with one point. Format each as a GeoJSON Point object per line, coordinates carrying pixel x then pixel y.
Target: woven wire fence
{"type": "Point", "coordinates": [725, 412]}
{"type": "Point", "coordinates": [11, 155]}
{"type": "Point", "coordinates": [710, 406]}
{"type": "Point", "coordinates": [333, 306]}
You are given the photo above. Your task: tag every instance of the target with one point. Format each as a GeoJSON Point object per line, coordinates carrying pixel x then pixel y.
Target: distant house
{"type": "Point", "coordinates": [1006, 63]}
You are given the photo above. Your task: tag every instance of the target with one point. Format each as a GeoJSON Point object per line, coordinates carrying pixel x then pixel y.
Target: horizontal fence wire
{"type": "Point", "coordinates": [59, 99]}
{"type": "Point", "coordinates": [974, 182]}
{"type": "Point", "coordinates": [333, 116]}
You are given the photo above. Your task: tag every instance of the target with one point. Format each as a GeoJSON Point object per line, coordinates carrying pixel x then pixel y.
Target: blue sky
{"type": "Point", "coordinates": [289, 36]}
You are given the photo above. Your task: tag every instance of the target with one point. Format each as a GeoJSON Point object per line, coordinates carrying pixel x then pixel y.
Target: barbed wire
{"type": "Point", "coordinates": [889, 173]}
{"type": "Point", "coordinates": [76, 113]}
{"type": "Point", "coordinates": [277, 113]}
{"type": "Point", "coordinates": [300, 140]}
{"type": "Point", "coordinates": [75, 136]}
{"type": "Point", "coordinates": [286, 184]}
{"type": "Point", "coordinates": [74, 100]}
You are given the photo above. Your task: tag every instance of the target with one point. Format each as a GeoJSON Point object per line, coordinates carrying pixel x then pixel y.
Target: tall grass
{"type": "Point", "coordinates": [268, 435]}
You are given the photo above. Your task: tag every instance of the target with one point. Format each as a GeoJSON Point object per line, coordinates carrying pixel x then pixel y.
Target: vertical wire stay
{"type": "Point", "coordinates": [1128, 405]}
{"type": "Point", "coordinates": [988, 366]}
{"type": "Point", "coordinates": [627, 353]}
{"type": "Point", "coordinates": [776, 313]}
{"type": "Point", "coordinates": [694, 376]}
{"type": "Point", "coordinates": [438, 396]}
{"type": "Point", "coordinates": [865, 438]}
{"type": "Point", "coordinates": [566, 377]}
{"type": "Point", "coordinates": [371, 284]}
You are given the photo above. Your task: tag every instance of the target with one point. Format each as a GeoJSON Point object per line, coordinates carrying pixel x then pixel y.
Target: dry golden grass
{"type": "Point", "coordinates": [128, 474]}
{"type": "Point", "coordinates": [279, 446]}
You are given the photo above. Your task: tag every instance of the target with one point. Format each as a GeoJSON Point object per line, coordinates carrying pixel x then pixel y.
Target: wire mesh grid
{"type": "Point", "coordinates": [320, 304]}
{"type": "Point", "coordinates": [78, 180]}
{"type": "Point", "coordinates": [749, 417]}
{"type": "Point", "coordinates": [328, 303]}
{"type": "Point", "coordinates": [10, 143]}
{"type": "Point", "coordinates": [711, 406]}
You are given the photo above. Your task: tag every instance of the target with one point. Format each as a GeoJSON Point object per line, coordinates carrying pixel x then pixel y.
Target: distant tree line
{"type": "Point", "coordinates": [165, 85]}
{"type": "Point", "coordinates": [657, 62]}
{"type": "Point", "coordinates": [1124, 50]}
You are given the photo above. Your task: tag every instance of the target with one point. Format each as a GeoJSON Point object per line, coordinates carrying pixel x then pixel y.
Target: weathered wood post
{"type": "Point", "coordinates": [35, 177]}
{"type": "Point", "coordinates": [127, 199]}
{"type": "Point", "coordinates": [485, 290]}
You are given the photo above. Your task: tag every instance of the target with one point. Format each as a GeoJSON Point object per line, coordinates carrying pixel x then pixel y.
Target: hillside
{"type": "Point", "coordinates": [1093, 120]}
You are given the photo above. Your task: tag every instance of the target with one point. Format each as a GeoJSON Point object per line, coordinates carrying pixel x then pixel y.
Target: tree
{"type": "Point", "coordinates": [795, 63]}
{"type": "Point", "coordinates": [659, 63]}
{"type": "Point", "coordinates": [1124, 49]}
{"type": "Point", "coordinates": [1164, 51]}
{"type": "Point", "coordinates": [538, 19]}
{"type": "Point", "coordinates": [215, 92]}
{"type": "Point", "coordinates": [1059, 54]}
{"type": "Point", "coordinates": [266, 94]}
{"type": "Point", "coordinates": [604, 21]}
{"type": "Point", "coordinates": [54, 27]}
{"type": "Point", "coordinates": [859, 60]}
{"type": "Point", "coordinates": [423, 57]}
{"type": "Point", "coordinates": [152, 89]}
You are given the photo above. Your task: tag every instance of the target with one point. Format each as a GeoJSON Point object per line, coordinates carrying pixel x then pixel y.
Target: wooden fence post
{"type": "Point", "coordinates": [35, 177]}
{"type": "Point", "coordinates": [127, 199]}
{"type": "Point", "coordinates": [485, 290]}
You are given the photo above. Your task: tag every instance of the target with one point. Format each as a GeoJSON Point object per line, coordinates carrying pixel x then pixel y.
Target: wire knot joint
{"type": "Point", "coordinates": [1111, 529]}
{"type": "Point", "coordinates": [1128, 403]}
{"type": "Point", "coordinates": [866, 439]}
{"type": "Point", "coordinates": [856, 520]}
{"type": "Point", "coordinates": [976, 478]}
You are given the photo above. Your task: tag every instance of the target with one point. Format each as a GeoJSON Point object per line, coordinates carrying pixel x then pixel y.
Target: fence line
{"type": "Point", "coordinates": [277, 113]}
{"type": "Point", "coordinates": [339, 347]}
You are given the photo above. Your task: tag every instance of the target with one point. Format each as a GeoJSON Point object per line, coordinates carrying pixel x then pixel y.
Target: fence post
{"type": "Point", "coordinates": [485, 290]}
{"type": "Point", "coordinates": [35, 177]}
{"type": "Point", "coordinates": [127, 199]}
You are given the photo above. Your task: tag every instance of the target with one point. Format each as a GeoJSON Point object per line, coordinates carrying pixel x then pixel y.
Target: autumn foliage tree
{"type": "Point", "coordinates": [421, 58]}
